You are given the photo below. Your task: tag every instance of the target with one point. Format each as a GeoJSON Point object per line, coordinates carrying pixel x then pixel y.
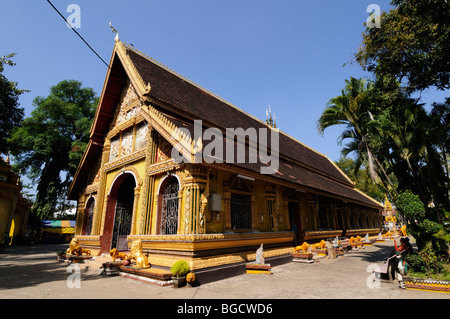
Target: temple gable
{"type": "Point", "coordinates": [128, 130]}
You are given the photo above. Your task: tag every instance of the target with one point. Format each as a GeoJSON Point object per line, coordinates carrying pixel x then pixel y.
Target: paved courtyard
{"type": "Point", "coordinates": [32, 272]}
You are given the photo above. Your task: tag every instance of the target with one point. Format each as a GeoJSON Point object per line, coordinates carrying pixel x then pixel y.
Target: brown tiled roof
{"type": "Point", "coordinates": [294, 173]}
{"type": "Point", "coordinates": [173, 90]}
{"type": "Point", "coordinates": [298, 163]}
{"type": "Point", "coordinates": [183, 101]}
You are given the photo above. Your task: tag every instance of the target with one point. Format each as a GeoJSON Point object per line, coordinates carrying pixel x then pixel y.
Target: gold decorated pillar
{"type": "Point", "coordinates": [272, 203]}
{"type": "Point", "coordinates": [97, 227]}
{"type": "Point", "coordinates": [80, 215]}
{"type": "Point", "coordinates": [195, 201]}
{"type": "Point", "coordinates": [227, 202]}
{"type": "Point", "coordinates": [137, 193]}
{"type": "Point", "coordinates": [148, 184]}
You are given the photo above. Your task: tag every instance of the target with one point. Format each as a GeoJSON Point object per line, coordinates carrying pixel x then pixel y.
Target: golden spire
{"type": "Point", "coordinates": [114, 31]}
{"type": "Point", "coordinates": [387, 204]}
{"type": "Point", "coordinates": [270, 120]}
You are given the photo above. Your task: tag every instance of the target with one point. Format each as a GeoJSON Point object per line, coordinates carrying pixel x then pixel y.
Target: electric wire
{"type": "Point", "coordinates": [79, 35]}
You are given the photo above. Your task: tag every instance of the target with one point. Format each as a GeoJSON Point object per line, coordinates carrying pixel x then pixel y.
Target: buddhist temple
{"type": "Point", "coordinates": [210, 212]}
{"type": "Point", "coordinates": [14, 208]}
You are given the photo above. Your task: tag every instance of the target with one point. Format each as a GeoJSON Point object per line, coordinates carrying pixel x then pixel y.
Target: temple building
{"type": "Point", "coordinates": [14, 208]}
{"type": "Point", "coordinates": [209, 211]}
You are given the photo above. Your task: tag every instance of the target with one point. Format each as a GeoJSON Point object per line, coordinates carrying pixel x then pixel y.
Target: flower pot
{"type": "Point", "coordinates": [178, 281]}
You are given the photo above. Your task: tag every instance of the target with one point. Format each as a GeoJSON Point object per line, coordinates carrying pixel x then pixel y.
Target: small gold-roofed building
{"type": "Point", "coordinates": [14, 208]}
{"type": "Point", "coordinates": [209, 211]}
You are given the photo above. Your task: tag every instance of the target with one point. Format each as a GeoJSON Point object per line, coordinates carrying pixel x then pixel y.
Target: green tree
{"type": "Point", "coordinates": [419, 222]}
{"type": "Point", "coordinates": [353, 108]}
{"type": "Point", "coordinates": [11, 113]}
{"type": "Point", "coordinates": [401, 145]}
{"type": "Point", "coordinates": [413, 44]}
{"type": "Point", "coordinates": [360, 176]}
{"type": "Point", "coordinates": [50, 143]}
{"type": "Point", "coordinates": [412, 150]}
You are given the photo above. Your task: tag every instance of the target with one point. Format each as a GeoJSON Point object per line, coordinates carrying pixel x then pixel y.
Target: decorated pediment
{"type": "Point", "coordinates": [164, 150]}
{"type": "Point", "coordinates": [128, 106]}
{"type": "Point", "coordinates": [239, 184]}
{"type": "Point", "coordinates": [129, 141]}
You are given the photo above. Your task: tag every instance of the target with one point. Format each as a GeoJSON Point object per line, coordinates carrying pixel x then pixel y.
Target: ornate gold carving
{"type": "Point", "coordinates": [164, 149]}
{"type": "Point", "coordinates": [125, 160]}
{"type": "Point", "coordinates": [210, 237]}
{"type": "Point", "coordinates": [141, 86]}
{"type": "Point", "coordinates": [163, 167]}
{"type": "Point", "coordinates": [136, 253]}
{"type": "Point", "coordinates": [203, 202]}
{"type": "Point", "coordinates": [187, 211]}
{"type": "Point", "coordinates": [135, 173]}
{"type": "Point", "coordinates": [141, 135]}
{"type": "Point", "coordinates": [239, 184]}
{"type": "Point", "coordinates": [76, 249]}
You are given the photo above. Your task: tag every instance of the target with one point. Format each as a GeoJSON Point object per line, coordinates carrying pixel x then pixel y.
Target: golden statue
{"type": "Point", "coordinates": [403, 230]}
{"type": "Point", "coordinates": [388, 234]}
{"type": "Point", "coordinates": [204, 197]}
{"type": "Point", "coordinates": [190, 277]}
{"type": "Point", "coordinates": [320, 245]}
{"type": "Point", "coordinates": [303, 247]}
{"type": "Point", "coordinates": [116, 254]}
{"type": "Point", "coordinates": [76, 249]}
{"type": "Point", "coordinates": [137, 254]}
{"type": "Point", "coordinates": [358, 239]}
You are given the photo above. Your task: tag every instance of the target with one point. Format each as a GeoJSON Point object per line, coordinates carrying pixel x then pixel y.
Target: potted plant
{"type": "Point", "coordinates": [179, 270]}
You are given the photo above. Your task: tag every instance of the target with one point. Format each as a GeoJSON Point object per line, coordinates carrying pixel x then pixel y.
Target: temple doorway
{"type": "Point", "coordinates": [119, 213]}
{"type": "Point", "coordinates": [123, 214]}
{"type": "Point", "coordinates": [88, 216]}
{"type": "Point", "coordinates": [295, 220]}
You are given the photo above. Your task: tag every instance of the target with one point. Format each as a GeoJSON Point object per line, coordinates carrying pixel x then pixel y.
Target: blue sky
{"type": "Point", "coordinates": [287, 54]}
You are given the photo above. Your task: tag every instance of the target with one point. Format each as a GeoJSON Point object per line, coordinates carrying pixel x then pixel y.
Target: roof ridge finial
{"type": "Point", "coordinates": [270, 119]}
{"type": "Point", "coordinates": [116, 39]}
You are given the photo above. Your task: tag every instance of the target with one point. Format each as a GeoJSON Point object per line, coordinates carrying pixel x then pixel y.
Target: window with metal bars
{"type": "Point", "coordinates": [241, 212]}
{"type": "Point", "coordinates": [170, 209]}
{"type": "Point", "coordinates": [89, 217]}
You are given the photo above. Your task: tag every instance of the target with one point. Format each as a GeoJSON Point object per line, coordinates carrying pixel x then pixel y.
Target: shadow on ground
{"type": "Point", "coordinates": [27, 266]}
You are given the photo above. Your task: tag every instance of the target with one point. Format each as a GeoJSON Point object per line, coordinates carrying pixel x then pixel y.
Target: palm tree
{"type": "Point", "coordinates": [353, 109]}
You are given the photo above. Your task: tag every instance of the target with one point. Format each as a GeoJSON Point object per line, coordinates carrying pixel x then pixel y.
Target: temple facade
{"type": "Point", "coordinates": [209, 212]}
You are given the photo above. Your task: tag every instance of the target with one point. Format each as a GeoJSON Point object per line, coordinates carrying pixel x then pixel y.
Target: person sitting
{"type": "Point", "coordinates": [409, 249]}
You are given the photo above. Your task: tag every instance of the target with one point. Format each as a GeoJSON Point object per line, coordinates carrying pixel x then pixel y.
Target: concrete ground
{"type": "Point", "coordinates": [32, 272]}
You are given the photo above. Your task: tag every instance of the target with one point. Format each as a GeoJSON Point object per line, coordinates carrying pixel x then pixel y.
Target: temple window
{"type": "Point", "coordinates": [169, 207]}
{"type": "Point", "coordinates": [133, 139]}
{"type": "Point", "coordinates": [241, 212]}
{"type": "Point", "coordinates": [89, 215]}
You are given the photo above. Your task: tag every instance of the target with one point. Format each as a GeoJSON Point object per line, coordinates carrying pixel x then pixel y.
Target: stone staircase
{"type": "Point", "coordinates": [160, 277]}
{"type": "Point", "coordinates": [94, 265]}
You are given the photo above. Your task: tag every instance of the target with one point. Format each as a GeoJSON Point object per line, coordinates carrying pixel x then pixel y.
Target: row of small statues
{"type": "Point", "coordinates": [322, 244]}
{"type": "Point", "coordinates": [305, 247]}
{"type": "Point", "coordinates": [136, 253]}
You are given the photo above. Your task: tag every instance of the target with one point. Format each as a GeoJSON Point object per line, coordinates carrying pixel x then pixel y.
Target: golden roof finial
{"type": "Point", "coordinates": [387, 204]}
{"type": "Point", "coordinates": [270, 120]}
